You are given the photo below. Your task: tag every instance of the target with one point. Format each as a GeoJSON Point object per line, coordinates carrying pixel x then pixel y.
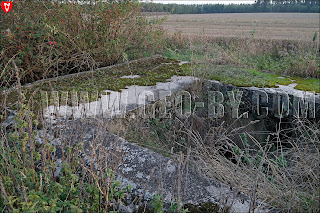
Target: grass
{"type": "Point", "coordinates": [30, 181]}
{"type": "Point", "coordinates": [272, 175]}
{"type": "Point", "coordinates": [248, 77]}
{"type": "Point", "coordinates": [249, 61]}
{"type": "Point", "coordinates": [283, 170]}
{"type": "Point", "coordinates": [283, 44]}
{"type": "Point", "coordinates": [243, 77]}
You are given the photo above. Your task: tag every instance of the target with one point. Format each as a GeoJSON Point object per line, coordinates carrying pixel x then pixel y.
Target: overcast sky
{"type": "Point", "coordinates": [203, 1]}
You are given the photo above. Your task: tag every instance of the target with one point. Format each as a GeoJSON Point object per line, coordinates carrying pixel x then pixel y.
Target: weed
{"type": "Point", "coordinates": [47, 40]}
{"type": "Point", "coordinates": [315, 36]}
{"type": "Point", "coordinates": [157, 203]}
{"type": "Point", "coordinates": [32, 180]}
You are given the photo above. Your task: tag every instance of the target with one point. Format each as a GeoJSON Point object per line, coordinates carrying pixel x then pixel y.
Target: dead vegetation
{"type": "Point", "coordinates": [273, 26]}
{"type": "Point", "coordinates": [282, 171]}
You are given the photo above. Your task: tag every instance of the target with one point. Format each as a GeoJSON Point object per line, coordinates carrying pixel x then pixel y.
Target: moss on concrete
{"type": "Point", "coordinates": [110, 78]}
{"type": "Point", "coordinates": [150, 71]}
{"type": "Point", "coordinates": [159, 70]}
{"type": "Point", "coordinates": [307, 84]}
{"type": "Point", "coordinates": [203, 208]}
{"type": "Point", "coordinates": [249, 77]}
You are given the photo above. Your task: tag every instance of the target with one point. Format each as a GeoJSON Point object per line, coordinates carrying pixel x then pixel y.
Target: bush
{"type": "Point", "coordinates": [47, 39]}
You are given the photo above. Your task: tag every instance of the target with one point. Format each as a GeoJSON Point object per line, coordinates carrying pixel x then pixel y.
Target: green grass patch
{"type": "Point", "coordinates": [183, 55]}
{"type": "Point", "coordinates": [244, 77]}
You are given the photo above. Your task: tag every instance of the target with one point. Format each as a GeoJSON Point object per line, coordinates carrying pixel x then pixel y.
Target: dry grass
{"type": "Point", "coordinates": [57, 170]}
{"type": "Point", "coordinates": [285, 177]}
{"type": "Point", "coordinates": [289, 26]}
{"type": "Point", "coordinates": [283, 171]}
{"type": "Point", "coordinates": [43, 168]}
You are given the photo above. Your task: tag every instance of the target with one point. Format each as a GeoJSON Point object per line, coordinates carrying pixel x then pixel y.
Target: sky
{"type": "Point", "coordinates": [203, 1]}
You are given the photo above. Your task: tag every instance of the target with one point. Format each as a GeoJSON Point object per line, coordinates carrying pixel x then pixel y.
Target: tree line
{"type": "Point", "coordinates": [301, 6]}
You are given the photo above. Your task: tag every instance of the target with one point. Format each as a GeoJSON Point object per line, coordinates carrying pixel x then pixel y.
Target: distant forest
{"type": "Point", "coordinates": [301, 6]}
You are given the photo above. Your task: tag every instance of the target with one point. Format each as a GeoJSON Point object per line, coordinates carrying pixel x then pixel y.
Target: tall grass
{"type": "Point", "coordinates": [283, 57]}
{"type": "Point", "coordinates": [51, 171]}
{"type": "Point", "coordinates": [282, 171]}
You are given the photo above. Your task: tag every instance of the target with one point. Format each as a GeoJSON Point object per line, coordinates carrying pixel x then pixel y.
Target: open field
{"type": "Point", "coordinates": [291, 26]}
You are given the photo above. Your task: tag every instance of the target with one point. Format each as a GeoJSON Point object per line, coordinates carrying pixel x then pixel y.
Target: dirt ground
{"type": "Point", "coordinates": [289, 26]}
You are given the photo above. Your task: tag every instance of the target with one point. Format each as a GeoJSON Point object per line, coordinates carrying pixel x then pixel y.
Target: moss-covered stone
{"type": "Point", "coordinates": [249, 77]}
{"type": "Point", "coordinates": [150, 71]}
{"type": "Point", "coordinates": [156, 70]}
